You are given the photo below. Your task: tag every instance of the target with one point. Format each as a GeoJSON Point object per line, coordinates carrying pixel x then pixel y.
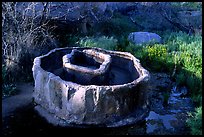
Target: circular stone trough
{"type": "Point", "coordinates": [90, 86]}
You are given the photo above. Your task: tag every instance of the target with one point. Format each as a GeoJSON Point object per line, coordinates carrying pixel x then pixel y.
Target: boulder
{"type": "Point", "coordinates": [144, 38]}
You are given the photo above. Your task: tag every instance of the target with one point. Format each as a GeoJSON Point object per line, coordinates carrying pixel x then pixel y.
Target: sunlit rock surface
{"type": "Point", "coordinates": [144, 38]}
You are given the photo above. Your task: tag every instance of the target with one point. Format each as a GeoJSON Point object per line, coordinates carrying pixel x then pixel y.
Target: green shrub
{"type": "Point", "coordinates": [166, 96]}
{"type": "Point", "coordinates": [8, 88]}
{"type": "Point", "coordinates": [139, 52]}
{"type": "Point", "coordinates": [182, 42]}
{"type": "Point", "coordinates": [194, 84]}
{"type": "Point", "coordinates": [191, 5]}
{"type": "Point", "coordinates": [118, 25]}
{"type": "Point", "coordinates": [3, 73]}
{"type": "Point", "coordinates": [157, 52]}
{"type": "Point", "coordinates": [69, 40]}
{"type": "Point", "coordinates": [195, 121]}
{"type": "Point", "coordinates": [187, 51]}
{"type": "Point", "coordinates": [108, 43]}
{"type": "Point", "coordinates": [158, 58]}
{"type": "Point", "coordinates": [180, 78]}
{"type": "Point", "coordinates": [135, 50]}
{"type": "Point", "coordinates": [154, 57]}
{"type": "Point", "coordinates": [122, 43]}
{"type": "Point", "coordinates": [198, 98]}
{"type": "Point", "coordinates": [24, 35]}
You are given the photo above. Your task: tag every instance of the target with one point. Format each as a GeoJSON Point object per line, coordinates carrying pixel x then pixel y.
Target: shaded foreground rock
{"type": "Point", "coordinates": [121, 94]}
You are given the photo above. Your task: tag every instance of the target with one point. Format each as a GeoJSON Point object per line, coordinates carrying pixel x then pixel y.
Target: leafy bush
{"type": "Point", "coordinates": [69, 40]}
{"type": "Point", "coordinates": [194, 84]}
{"type": "Point", "coordinates": [182, 42]}
{"type": "Point", "coordinates": [7, 87]}
{"type": "Point", "coordinates": [139, 52]}
{"type": "Point", "coordinates": [3, 73]}
{"type": "Point", "coordinates": [166, 96]}
{"type": "Point", "coordinates": [154, 57]}
{"type": "Point", "coordinates": [8, 90]}
{"type": "Point", "coordinates": [118, 25]}
{"type": "Point", "coordinates": [180, 78]}
{"type": "Point", "coordinates": [195, 121]}
{"type": "Point", "coordinates": [156, 52]}
{"type": "Point", "coordinates": [189, 60]}
{"type": "Point", "coordinates": [108, 43]}
{"type": "Point", "coordinates": [122, 43]}
{"type": "Point", "coordinates": [23, 35]}
{"type": "Point", "coordinates": [191, 5]}
{"type": "Point", "coordinates": [157, 55]}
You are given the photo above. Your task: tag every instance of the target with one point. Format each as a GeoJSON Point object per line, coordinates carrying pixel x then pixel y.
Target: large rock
{"type": "Point", "coordinates": [144, 37]}
{"type": "Point", "coordinates": [70, 100]}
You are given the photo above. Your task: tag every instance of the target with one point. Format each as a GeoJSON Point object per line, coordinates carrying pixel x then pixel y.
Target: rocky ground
{"type": "Point", "coordinates": [169, 107]}
{"type": "Point", "coordinates": [166, 117]}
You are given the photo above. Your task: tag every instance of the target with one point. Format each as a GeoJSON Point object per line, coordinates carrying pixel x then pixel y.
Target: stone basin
{"type": "Point", "coordinates": [83, 66]}
{"type": "Point", "coordinates": [90, 86]}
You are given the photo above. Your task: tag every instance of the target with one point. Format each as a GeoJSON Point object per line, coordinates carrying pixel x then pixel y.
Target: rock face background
{"type": "Point", "coordinates": [151, 16]}
{"type": "Point", "coordinates": [70, 102]}
{"type": "Point", "coordinates": [148, 15]}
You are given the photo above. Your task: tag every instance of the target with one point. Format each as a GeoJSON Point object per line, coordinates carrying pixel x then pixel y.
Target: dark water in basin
{"type": "Point", "coordinates": [116, 76]}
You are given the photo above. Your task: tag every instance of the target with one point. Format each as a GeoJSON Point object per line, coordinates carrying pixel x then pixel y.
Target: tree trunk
{"type": "Point", "coordinates": [84, 26]}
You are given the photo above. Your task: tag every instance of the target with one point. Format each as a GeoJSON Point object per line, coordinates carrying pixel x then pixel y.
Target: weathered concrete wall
{"type": "Point", "coordinates": [91, 73]}
{"type": "Point", "coordinates": [88, 104]}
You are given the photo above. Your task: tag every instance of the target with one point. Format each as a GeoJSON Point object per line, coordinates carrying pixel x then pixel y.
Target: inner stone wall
{"type": "Point", "coordinates": [53, 63]}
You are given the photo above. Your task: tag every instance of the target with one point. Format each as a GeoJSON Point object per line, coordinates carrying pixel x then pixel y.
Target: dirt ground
{"type": "Point", "coordinates": [23, 98]}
